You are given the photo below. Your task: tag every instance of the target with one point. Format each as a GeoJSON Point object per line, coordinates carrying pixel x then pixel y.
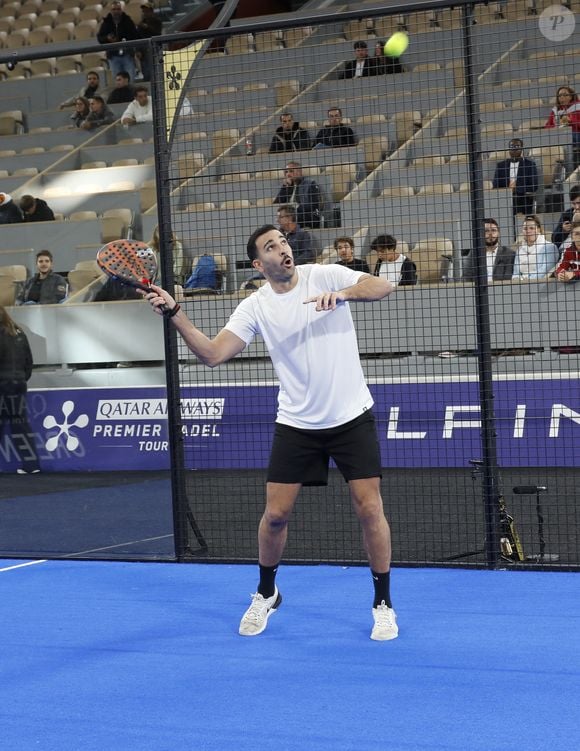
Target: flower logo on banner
{"type": "Point", "coordinates": [64, 428]}
{"type": "Point", "coordinates": [174, 77]}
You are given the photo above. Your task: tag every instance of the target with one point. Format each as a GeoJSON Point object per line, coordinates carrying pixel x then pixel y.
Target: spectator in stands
{"type": "Point", "coordinates": [99, 114]}
{"type": "Point", "coordinates": [15, 371]}
{"type": "Point", "coordinates": [45, 287]}
{"type": "Point", "coordinates": [565, 97]}
{"type": "Point", "coordinates": [384, 63]}
{"type": "Point", "coordinates": [9, 211]}
{"type": "Point", "coordinates": [335, 133]}
{"type": "Point", "coordinates": [391, 264]}
{"type": "Point", "coordinates": [81, 112]}
{"type": "Point", "coordinates": [564, 226]}
{"type": "Point", "coordinates": [303, 194]}
{"type": "Point", "coordinates": [140, 109]}
{"type": "Point", "coordinates": [117, 26]}
{"type": "Point", "coordinates": [499, 258]}
{"type": "Point", "coordinates": [123, 91]}
{"type": "Point", "coordinates": [344, 246]}
{"type": "Point", "coordinates": [150, 25]}
{"type": "Point", "coordinates": [535, 258]}
{"type": "Point", "coordinates": [289, 136]}
{"type": "Point", "coordinates": [178, 256]}
{"type": "Point", "coordinates": [300, 240]}
{"type": "Point", "coordinates": [362, 66]}
{"type": "Point", "coordinates": [35, 209]}
{"type": "Point", "coordinates": [568, 270]}
{"type": "Point", "coordinates": [87, 91]}
{"type": "Point", "coordinates": [520, 174]}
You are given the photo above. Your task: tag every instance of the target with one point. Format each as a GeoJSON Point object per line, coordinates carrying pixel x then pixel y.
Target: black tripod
{"type": "Point", "coordinates": [537, 490]}
{"type": "Point", "coordinates": [510, 545]}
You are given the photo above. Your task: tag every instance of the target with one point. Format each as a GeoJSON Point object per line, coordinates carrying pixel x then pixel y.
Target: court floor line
{"type": "Point", "coordinates": [118, 545]}
{"type": "Point", "coordinates": [22, 565]}
{"type": "Point", "coordinates": [85, 552]}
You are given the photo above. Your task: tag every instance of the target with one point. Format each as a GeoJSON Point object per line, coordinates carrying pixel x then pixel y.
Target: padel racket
{"type": "Point", "coordinates": [131, 262]}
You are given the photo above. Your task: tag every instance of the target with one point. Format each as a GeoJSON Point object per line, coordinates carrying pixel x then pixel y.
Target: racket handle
{"type": "Point", "coordinates": [170, 312]}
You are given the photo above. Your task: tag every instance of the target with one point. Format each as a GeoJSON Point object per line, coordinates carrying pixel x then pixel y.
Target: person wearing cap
{"type": "Point", "coordinates": [150, 25]}
{"type": "Point", "coordinates": [9, 211]}
{"type": "Point", "coordinates": [520, 174]}
{"type": "Point", "coordinates": [362, 66]}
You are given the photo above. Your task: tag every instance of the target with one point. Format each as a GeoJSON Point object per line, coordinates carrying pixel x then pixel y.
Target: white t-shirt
{"type": "Point", "coordinates": [138, 113]}
{"type": "Point", "coordinates": [490, 262]}
{"type": "Point", "coordinates": [315, 355]}
{"type": "Point", "coordinates": [391, 270]}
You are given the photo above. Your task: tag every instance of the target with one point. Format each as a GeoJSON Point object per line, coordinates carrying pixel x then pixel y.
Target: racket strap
{"type": "Point", "coordinates": [173, 311]}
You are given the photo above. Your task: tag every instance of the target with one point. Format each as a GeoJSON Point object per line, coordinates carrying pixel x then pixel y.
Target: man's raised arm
{"type": "Point", "coordinates": [211, 352]}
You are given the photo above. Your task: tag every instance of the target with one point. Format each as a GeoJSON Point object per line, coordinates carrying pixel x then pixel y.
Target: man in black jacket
{"type": "Point", "coordinates": [303, 193]}
{"type": "Point", "coordinates": [499, 258]}
{"type": "Point", "coordinates": [123, 93]}
{"type": "Point", "coordinates": [335, 134]}
{"type": "Point", "coordinates": [344, 246]}
{"type": "Point", "coordinates": [35, 210]}
{"type": "Point", "coordinates": [363, 66]}
{"type": "Point", "coordinates": [520, 174]}
{"type": "Point", "coordinates": [289, 136]}
{"type": "Point", "coordinates": [117, 26]}
{"type": "Point", "coordinates": [564, 226]}
{"type": "Point", "coordinates": [391, 264]}
{"type": "Point", "coordinates": [45, 287]}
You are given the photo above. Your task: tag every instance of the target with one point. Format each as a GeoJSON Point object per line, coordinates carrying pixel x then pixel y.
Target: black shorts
{"type": "Point", "coordinates": [302, 456]}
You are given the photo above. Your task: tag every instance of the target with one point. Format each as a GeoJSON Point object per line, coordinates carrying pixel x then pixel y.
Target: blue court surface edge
{"type": "Point", "coordinates": [107, 656]}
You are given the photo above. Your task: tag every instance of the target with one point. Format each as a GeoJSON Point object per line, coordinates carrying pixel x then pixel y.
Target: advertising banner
{"type": "Point", "coordinates": [230, 427]}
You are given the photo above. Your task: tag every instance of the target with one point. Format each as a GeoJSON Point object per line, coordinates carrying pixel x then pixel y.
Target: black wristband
{"type": "Point", "coordinates": [173, 311]}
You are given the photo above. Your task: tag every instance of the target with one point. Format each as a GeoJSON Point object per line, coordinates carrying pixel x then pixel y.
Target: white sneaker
{"type": "Point", "coordinates": [255, 619]}
{"type": "Point", "coordinates": [385, 627]}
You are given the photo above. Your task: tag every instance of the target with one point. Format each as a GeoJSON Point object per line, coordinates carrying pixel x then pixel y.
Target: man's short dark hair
{"type": "Point", "coordinates": [26, 203]}
{"type": "Point", "coordinates": [384, 242]}
{"type": "Point", "coordinates": [513, 141]}
{"type": "Point", "coordinates": [334, 109]}
{"type": "Point", "coordinates": [574, 192]}
{"type": "Point", "coordinates": [98, 98]}
{"type": "Point", "coordinates": [360, 45]}
{"type": "Point", "coordinates": [289, 210]}
{"type": "Point", "coordinates": [348, 240]}
{"type": "Point", "coordinates": [46, 253]}
{"type": "Point", "coordinates": [251, 247]}
{"type": "Point", "coordinates": [93, 73]}
{"type": "Point", "coordinates": [491, 221]}
{"type": "Point", "coordinates": [124, 74]}
{"type": "Point", "coordinates": [141, 88]}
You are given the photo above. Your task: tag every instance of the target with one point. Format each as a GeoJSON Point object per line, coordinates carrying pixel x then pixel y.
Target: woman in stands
{"type": "Point", "coordinates": [535, 258]}
{"type": "Point", "coordinates": [81, 111]}
{"type": "Point", "coordinates": [15, 370]}
{"type": "Point", "coordinates": [178, 257]}
{"type": "Point", "coordinates": [559, 117]}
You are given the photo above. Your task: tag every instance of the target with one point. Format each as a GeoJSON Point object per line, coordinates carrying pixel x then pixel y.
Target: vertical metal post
{"type": "Point", "coordinates": [162, 158]}
{"type": "Point", "coordinates": [490, 484]}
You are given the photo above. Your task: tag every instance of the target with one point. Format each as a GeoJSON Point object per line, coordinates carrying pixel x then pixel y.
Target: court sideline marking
{"type": "Point", "coordinates": [84, 552]}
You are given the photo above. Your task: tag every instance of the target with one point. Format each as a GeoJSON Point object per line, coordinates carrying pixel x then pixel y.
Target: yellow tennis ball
{"type": "Point", "coordinates": [396, 44]}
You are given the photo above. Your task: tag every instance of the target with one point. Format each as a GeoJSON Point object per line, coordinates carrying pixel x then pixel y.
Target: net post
{"type": "Point", "coordinates": [490, 480]}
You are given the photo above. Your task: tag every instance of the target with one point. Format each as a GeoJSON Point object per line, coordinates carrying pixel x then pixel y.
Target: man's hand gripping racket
{"type": "Point", "coordinates": [134, 263]}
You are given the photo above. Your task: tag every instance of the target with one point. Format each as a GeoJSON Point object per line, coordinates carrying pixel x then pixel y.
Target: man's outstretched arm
{"type": "Point", "coordinates": [211, 352]}
{"type": "Point", "coordinates": [367, 289]}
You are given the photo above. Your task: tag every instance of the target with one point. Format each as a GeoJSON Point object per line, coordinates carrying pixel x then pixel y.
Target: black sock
{"type": "Point", "coordinates": [382, 584]}
{"type": "Point", "coordinates": [267, 584]}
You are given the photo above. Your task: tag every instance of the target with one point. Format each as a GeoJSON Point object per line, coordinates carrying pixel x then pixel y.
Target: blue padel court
{"type": "Point", "coordinates": [146, 656]}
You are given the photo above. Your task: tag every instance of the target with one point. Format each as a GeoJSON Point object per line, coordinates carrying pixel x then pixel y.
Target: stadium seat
{"type": "Point", "coordinates": [286, 90]}
{"type": "Point", "coordinates": [80, 278]}
{"type": "Point", "coordinates": [240, 44]}
{"type": "Point", "coordinates": [427, 256]}
{"type": "Point", "coordinates": [115, 224]}
{"type": "Point", "coordinates": [265, 41]}
{"type": "Point", "coordinates": [358, 29]}
{"type": "Point", "coordinates": [82, 216]}
{"type": "Point", "coordinates": [401, 191]}
{"type": "Point", "coordinates": [342, 181]}
{"type": "Point", "coordinates": [436, 189]}
{"type": "Point", "coordinates": [189, 164]}
{"type": "Point", "coordinates": [7, 290]}
{"type": "Point", "coordinates": [222, 140]}
{"type": "Point", "coordinates": [546, 158]}
{"type": "Point", "coordinates": [238, 203]}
